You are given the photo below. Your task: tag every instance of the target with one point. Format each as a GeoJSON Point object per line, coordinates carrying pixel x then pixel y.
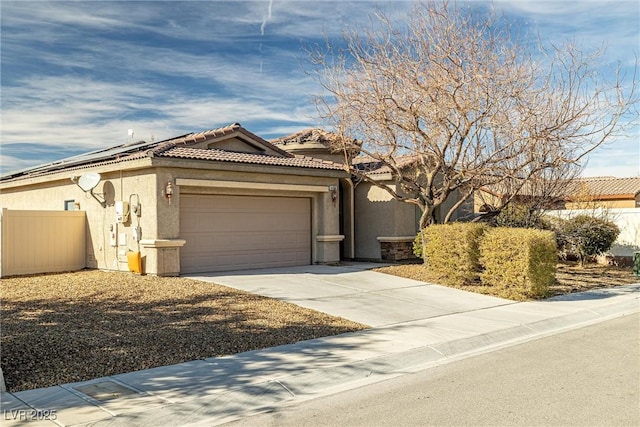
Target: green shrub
{"type": "Point", "coordinates": [451, 250]}
{"type": "Point", "coordinates": [520, 263]}
{"type": "Point", "coordinates": [521, 216]}
{"type": "Point", "coordinates": [586, 236]}
{"type": "Point", "coordinates": [417, 245]}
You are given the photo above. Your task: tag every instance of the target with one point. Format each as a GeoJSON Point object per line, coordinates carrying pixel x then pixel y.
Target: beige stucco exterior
{"type": "Point", "coordinates": [348, 220]}
{"type": "Point", "coordinates": [146, 179]}
{"type": "Point", "coordinates": [378, 214]}
{"type": "Point", "coordinates": [52, 191]}
{"type": "Point", "coordinates": [380, 218]}
{"type": "Point", "coordinates": [606, 204]}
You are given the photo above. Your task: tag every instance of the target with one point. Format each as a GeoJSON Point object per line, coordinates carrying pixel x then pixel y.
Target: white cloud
{"type": "Point", "coordinates": [79, 74]}
{"type": "Point", "coordinates": [84, 115]}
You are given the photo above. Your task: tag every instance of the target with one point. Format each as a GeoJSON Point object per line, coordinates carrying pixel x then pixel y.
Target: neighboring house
{"type": "Point", "coordinates": [581, 193]}
{"type": "Point", "coordinates": [216, 200]}
{"type": "Point", "coordinates": [616, 199]}
{"type": "Point", "coordinates": [604, 192]}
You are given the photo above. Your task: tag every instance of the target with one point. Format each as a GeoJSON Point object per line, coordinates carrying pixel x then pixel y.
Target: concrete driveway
{"type": "Point", "coordinates": [354, 292]}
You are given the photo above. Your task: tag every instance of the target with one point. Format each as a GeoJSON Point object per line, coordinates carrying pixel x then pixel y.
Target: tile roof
{"type": "Point", "coordinates": [597, 188]}
{"type": "Point", "coordinates": [193, 138]}
{"type": "Point", "coordinates": [259, 159]}
{"type": "Point", "coordinates": [313, 135]}
{"type": "Point", "coordinates": [610, 186]}
{"type": "Point", "coordinates": [374, 167]}
{"type": "Point", "coordinates": [141, 149]}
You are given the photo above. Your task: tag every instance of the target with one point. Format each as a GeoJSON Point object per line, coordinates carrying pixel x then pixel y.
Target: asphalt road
{"type": "Point", "coordinates": [585, 377]}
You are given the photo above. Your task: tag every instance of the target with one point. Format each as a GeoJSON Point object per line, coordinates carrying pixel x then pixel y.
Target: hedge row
{"type": "Point", "coordinates": [452, 250]}
{"type": "Point", "coordinates": [520, 263]}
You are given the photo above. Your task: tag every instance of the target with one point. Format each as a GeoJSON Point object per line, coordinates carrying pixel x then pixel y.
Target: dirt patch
{"type": "Point", "coordinates": [62, 328]}
{"type": "Point", "coordinates": [570, 278]}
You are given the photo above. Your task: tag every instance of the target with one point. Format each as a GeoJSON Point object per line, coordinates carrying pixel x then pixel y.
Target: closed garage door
{"type": "Point", "coordinates": [241, 232]}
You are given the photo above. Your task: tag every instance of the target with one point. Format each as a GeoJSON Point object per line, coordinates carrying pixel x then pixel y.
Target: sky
{"type": "Point", "coordinates": [76, 76]}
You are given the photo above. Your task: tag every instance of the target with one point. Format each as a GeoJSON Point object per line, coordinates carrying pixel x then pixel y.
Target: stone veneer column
{"type": "Point", "coordinates": [396, 248]}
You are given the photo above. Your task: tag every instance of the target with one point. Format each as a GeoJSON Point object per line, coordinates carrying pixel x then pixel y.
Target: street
{"type": "Point", "coordinates": [588, 376]}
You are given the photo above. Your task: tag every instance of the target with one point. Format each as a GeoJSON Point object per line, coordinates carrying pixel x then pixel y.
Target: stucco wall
{"type": "Point", "coordinates": [464, 212]}
{"type": "Point", "coordinates": [159, 219]}
{"type": "Point", "coordinates": [117, 185]}
{"type": "Point", "coordinates": [607, 204]}
{"type": "Point", "coordinates": [627, 219]}
{"type": "Point", "coordinates": [378, 214]}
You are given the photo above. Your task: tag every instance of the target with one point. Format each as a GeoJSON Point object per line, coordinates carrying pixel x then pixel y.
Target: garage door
{"type": "Point", "coordinates": [241, 232]}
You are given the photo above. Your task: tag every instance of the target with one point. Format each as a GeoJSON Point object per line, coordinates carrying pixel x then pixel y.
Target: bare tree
{"type": "Point", "coordinates": [452, 100]}
{"type": "Point", "coordinates": [535, 193]}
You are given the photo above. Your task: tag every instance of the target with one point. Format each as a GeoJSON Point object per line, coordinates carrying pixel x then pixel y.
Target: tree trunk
{"type": "Point", "coordinates": [426, 219]}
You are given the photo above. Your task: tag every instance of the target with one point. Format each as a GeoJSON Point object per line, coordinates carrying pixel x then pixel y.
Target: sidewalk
{"type": "Point", "coordinates": [414, 326]}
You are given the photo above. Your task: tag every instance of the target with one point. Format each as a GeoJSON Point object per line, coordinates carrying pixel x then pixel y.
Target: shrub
{"type": "Point", "coordinates": [520, 263]}
{"type": "Point", "coordinates": [417, 245]}
{"type": "Point", "coordinates": [451, 250]}
{"type": "Point", "coordinates": [521, 216]}
{"type": "Point", "coordinates": [586, 236]}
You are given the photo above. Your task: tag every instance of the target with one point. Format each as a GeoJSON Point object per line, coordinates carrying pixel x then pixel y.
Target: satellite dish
{"type": "Point", "coordinates": [88, 181]}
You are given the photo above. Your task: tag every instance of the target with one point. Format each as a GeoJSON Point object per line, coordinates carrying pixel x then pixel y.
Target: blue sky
{"type": "Point", "coordinates": [77, 75]}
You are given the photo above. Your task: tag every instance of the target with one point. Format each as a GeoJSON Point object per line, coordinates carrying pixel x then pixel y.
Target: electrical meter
{"type": "Point", "coordinates": [122, 211]}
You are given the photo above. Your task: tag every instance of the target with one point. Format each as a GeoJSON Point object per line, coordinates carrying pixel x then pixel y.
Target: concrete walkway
{"type": "Point", "coordinates": [414, 326]}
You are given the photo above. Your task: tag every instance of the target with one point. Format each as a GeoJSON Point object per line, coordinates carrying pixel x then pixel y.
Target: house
{"type": "Point", "coordinates": [604, 192]}
{"type": "Point", "coordinates": [382, 227]}
{"type": "Point", "coordinates": [616, 199]}
{"type": "Point", "coordinates": [221, 199]}
{"type": "Point", "coordinates": [580, 193]}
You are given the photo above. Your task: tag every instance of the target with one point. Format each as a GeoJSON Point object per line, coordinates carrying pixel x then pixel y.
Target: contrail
{"type": "Point", "coordinates": [262, 27]}
{"type": "Point", "coordinates": [267, 19]}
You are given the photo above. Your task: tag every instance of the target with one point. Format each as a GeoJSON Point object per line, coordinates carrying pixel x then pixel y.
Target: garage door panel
{"type": "Point", "coordinates": [239, 232]}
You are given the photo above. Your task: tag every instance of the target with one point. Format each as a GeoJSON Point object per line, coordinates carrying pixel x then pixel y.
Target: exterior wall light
{"type": "Point", "coordinates": [334, 192]}
{"type": "Point", "coordinates": [168, 191]}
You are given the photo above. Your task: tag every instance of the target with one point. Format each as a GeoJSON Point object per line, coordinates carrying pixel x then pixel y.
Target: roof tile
{"type": "Point", "coordinates": [609, 186]}
{"type": "Point", "coordinates": [260, 159]}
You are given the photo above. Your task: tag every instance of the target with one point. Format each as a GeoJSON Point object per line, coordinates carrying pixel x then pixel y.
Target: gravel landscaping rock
{"type": "Point", "coordinates": [570, 278]}
{"type": "Point", "coordinates": [61, 328]}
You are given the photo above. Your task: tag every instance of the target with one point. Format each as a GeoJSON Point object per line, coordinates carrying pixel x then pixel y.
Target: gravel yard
{"type": "Point", "coordinates": [570, 278]}
{"type": "Point", "coordinates": [61, 328]}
